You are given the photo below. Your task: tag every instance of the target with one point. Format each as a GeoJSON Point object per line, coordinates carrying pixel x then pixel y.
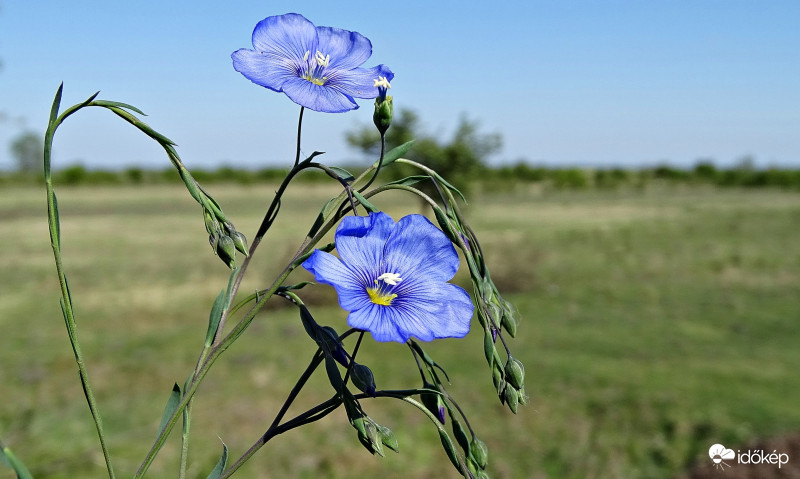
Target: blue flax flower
{"type": "Point", "coordinates": [392, 278]}
{"type": "Point", "coordinates": [317, 67]}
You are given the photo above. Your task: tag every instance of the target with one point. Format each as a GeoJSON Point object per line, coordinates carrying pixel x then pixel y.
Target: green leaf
{"type": "Point", "coordinates": [369, 206]}
{"type": "Point", "coordinates": [320, 219]}
{"type": "Point", "coordinates": [56, 103]}
{"type": "Point", "coordinates": [169, 409]}
{"type": "Point", "coordinates": [119, 104]}
{"type": "Point", "coordinates": [215, 317]}
{"type": "Point", "coordinates": [344, 175]}
{"type": "Point", "coordinates": [220, 467]}
{"type": "Point", "coordinates": [444, 224]}
{"type": "Point", "coordinates": [11, 461]}
{"type": "Point", "coordinates": [447, 444]}
{"type": "Point", "coordinates": [460, 434]}
{"type": "Point", "coordinates": [409, 180]}
{"type": "Point", "coordinates": [448, 185]}
{"type": "Point", "coordinates": [396, 153]}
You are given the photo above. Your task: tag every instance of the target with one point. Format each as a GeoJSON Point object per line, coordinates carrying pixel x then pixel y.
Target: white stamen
{"type": "Point", "coordinates": [305, 57]}
{"type": "Point", "coordinates": [390, 278]}
{"type": "Point", "coordinates": [322, 60]}
{"type": "Point", "coordinates": [381, 82]}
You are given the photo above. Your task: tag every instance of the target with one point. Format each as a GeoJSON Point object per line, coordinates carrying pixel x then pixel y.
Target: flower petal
{"type": "Point", "coordinates": [418, 249]}
{"type": "Point", "coordinates": [347, 49]}
{"type": "Point", "coordinates": [378, 320]}
{"type": "Point", "coordinates": [262, 69]}
{"type": "Point", "coordinates": [358, 82]}
{"type": "Point", "coordinates": [360, 241]}
{"type": "Point", "coordinates": [433, 310]}
{"type": "Point", "coordinates": [317, 97]}
{"type": "Point", "coordinates": [328, 269]}
{"type": "Point", "coordinates": [287, 36]}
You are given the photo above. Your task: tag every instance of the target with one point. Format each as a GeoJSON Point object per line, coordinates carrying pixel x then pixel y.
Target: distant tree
{"type": "Point", "coordinates": [27, 149]}
{"type": "Point", "coordinates": [458, 159]}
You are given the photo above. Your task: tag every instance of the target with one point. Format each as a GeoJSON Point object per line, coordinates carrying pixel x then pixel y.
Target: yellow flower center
{"type": "Point", "coordinates": [380, 296]}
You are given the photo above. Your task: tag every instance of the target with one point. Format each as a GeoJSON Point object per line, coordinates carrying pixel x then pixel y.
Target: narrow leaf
{"type": "Point", "coordinates": [344, 175]}
{"type": "Point", "coordinates": [215, 317]}
{"type": "Point", "coordinates": [396, 153]}
{"type": "Point", "coordinates": [369, 206]}
{"type": "Point", "coordinates": [119, 104]}
{"type": "Point", "coordinates": [9, 459]}
{"type": "Point", "coordinates": [409, 180]}
{"type": "Point", "coordinates": [56, 104]}
{"type": "Point", "coordinates": [220, 467]}
{"type": "Point", "coordinates": [169, 409]}
{"type": "Point", "coordinates": [320, 219]}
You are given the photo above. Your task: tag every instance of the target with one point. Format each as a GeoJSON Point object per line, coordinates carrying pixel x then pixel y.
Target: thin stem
{"type": "Point", "coordinates": [353, 358]}
{"type": "Point", "coordinates": [299, 129]}
{"type": "Point", "coordinates": [187, 422]}
{"type": "Point", "coordinates": [55, 242]}
{"type": "Point", "coordinates": [380, 163]}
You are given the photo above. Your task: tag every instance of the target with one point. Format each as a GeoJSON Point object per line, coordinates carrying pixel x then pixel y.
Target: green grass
{"type": "Point", "coordinates": [655, 323]}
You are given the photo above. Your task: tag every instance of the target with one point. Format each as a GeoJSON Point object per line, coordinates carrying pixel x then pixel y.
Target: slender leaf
{"type": "Point", "coordinates": [172, 405]}
{"type": "Point", "coordinates": [215, 317]}
{"type": "Point", "coordinates": [369, 206]}
{"type": "Point", "coordinates": [220, 467]}
{"type": "Point", "coordinates": [409, 180]}
{"type": "Point", "coordinates": [11, 461]}
{"type": "Point", "coordinates": [396, 153]}
{"type": "Point", "coordinates": [119, 104]}
{"type": "Point", "coordinates": [344, 175]}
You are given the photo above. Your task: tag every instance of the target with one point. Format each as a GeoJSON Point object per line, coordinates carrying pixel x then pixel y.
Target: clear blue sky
{"type": "Point", "coordinates": [566, 82]}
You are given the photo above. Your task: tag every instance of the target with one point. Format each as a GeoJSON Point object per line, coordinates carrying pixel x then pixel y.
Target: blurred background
{"type": "Point", "coordinates": [632, 170]}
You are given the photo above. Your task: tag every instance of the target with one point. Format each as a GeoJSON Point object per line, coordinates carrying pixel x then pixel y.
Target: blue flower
{"type": "Point", "coordinates": [317, 67]}
{"type": "Point", "coordinates": [392, 278]}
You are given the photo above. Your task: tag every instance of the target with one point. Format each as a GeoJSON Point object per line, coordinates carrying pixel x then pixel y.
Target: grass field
{"type": "Point", "coordinates": [655, 323]}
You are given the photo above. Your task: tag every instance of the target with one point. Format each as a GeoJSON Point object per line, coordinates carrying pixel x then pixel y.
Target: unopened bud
{"type": "Point", "coordinates": [479, 452]}
{"type": "Point", "coordinates": [511, 397]}
{"type": "Point", "coordinates": [363, 379]}
{"type": "Point", "coordinates": [515, 372]}
{"type": "Point", "coordinates": [387, 438]}
{"type": "Point", "coordinates": [382, 117]}
{"type": "Point", "coordinates": [240, 241]}
{"type": "Point", "coordinates": [226, 250]}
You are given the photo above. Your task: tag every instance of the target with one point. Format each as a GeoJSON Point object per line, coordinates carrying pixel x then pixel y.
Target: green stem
{"type": "Point", "coordinates": [55, 241]}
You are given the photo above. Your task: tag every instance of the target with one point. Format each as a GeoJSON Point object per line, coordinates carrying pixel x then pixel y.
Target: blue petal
{"type": "Point", "coordinates": [328, 269]}
{"type": "Point", "coordinates": [437, 310]}
{"type": "Point", "coordinates": [378, 320]}
{"type": "Point", "coordinates": [285, 37]}
{"type": "Point", "coordinates": [347, 49]}
{"type": "Point", "coordinates": [433, 310]}
{"type": "Point", "coordinates": [318, 97]}
{"type": "Point", "coordinates": [419, 250]}
{"type": "Point", "coordinates": [360, 241]}
{"type": "Point", "coordinates": [358, 82]}
{"type": "Point", "coordinates": [262, 69]}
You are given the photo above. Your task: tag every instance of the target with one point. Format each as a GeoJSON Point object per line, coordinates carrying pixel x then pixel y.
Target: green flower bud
{"type": "Point", "coordinates": [509, 318]}
{"type": "Point", "coordinates": [240, 241]}
{"type": "Point", "coordinates": [382, 117]}
{"type": "Point", "coordinates": [226, 250]}
{"type": "Point", "coordinates": [497, 378]}
{"type": "Point", "coordinates": [515, 372]}
{"type": "Point", "coordinates": [479, 452]}
{"type": "Point", "coordinates": [511, 397]}
{"type": "Point", "coordinates": [387, 438]}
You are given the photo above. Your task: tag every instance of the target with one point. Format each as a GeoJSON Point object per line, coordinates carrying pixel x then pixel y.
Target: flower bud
{"type": "Point", "coordinates": [240, 241]}
{"type": "Point", "coordinates": [511, 397]}
{"type": "Point", "coordinates": [382, 117]}
{"type": "Point", "coordinates": [479, 452]}
{"type": "Point", "coordinates": [363, 379]}
{"type": "Point", "coordinates": [515, 372]}
{"type": "Point", "coordinates": [387, 438]}
{"type": "Point", "coordinates": [226, 250]}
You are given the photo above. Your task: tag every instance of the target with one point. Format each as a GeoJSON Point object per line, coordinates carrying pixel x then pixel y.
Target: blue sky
{"type": "Point", "coordinates": [606, 83]}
